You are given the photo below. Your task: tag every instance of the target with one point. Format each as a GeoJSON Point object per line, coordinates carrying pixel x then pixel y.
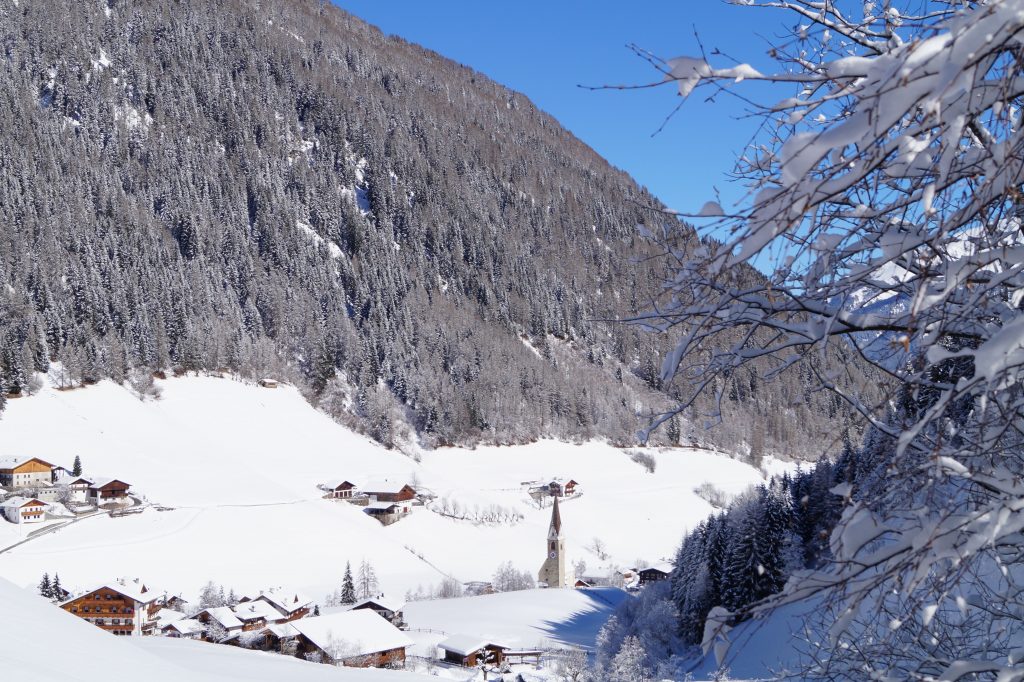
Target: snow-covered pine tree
{"type": "Point", "coordinates": [76, 468]}
{"type": "Point", "coordinates": [45, 588]}
{"type": "Point", "coordinates": [348, 586]}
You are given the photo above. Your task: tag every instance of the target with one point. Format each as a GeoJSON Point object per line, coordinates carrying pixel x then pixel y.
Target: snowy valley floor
{"type": "Point", "coordinates": [236, 467]}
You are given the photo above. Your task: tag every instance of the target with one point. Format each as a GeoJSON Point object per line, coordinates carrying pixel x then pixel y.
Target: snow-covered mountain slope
{"type": "Point", "coordinates": [46, 644]}
{"type": "Point", "coordinates": [238, 465]}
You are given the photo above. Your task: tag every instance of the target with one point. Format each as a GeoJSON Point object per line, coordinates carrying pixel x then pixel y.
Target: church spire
{"type": "Point", "coordinates": [556, 518]}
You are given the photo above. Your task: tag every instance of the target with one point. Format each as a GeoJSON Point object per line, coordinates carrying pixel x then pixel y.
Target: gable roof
{"type": "Point", "coordinates": [184, 626]}
{"type": "Point", "coordinates": [68, 479]}
{"type": "Point", "coordinates": [134, 590]}
{"type": "Point", "coordinates": [15, 462]}
{"type": "Point", "coordinates": [287, 602]}
{"type": "Point", "coordinates": [385, 485]}
{"type": "Point", "coordinates": [349, 634]}
{"type": "Point", "coordinates": [390, 604]}
{"type": "Point", "coordinates": [223, 615]}
{"type": "Point", "coordinates": [256, 609]}
{"type": "Point", "coordinates": [464, 645]}
{"type": "Point", "coordinates": [336, 483]}
{"type": "Point", "coordinates": [104, 482]}
{"type": "Point", "coordinates": [661, 566]}
{"type": "Point", "coordinates": [282, 630]}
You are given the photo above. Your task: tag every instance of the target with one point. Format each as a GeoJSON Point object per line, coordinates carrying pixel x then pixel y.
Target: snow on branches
{"type": "Point", "coordinates": [888, 190]}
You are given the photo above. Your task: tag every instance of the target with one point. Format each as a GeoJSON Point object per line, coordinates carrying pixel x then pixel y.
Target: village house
{"type": "Point", "coordinates": [340, 490]}
{"type": "Point", "coordinates": [220, 618]}
{"type": "Point", "coordinates": [24, 472]}
{"type": "Point", "coordinates": [24, 510]}
{"type": "Point", "coordinates": [46, 492]}
{"type": "Point", "coordinates": [653, 573]}
{"type": "Point", "coordinates": [77, 487]}
{"type": "Point", "coordinates": [470, 651]}
{"type": "Point", "coordinates": [560, 489]}
{"type": "Point", "coordinates": [359, 639]}
{"type": "Point", "coordinates": [58, 471]}
{"type": "Point", "coordinates": [388, 490]}
{"type": "Point", "coordinates": [108, 491]}
{"type": "Point", "coordinates": [287, 605]}
{"type": "Point", "coordinates": [185, 628]}
{"type": "Point", "coordinates": [388, 609]}
{"type": "Point", "coordinates": [255, 615]}
{"type": "Point", "coordinates": [121, 608]}
{"type": "Point", "coordinates": [280, 637]}
{"type": "Point", "coordinates": [388, 512]}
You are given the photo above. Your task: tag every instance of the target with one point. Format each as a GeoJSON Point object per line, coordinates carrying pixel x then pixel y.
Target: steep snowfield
{"type": "Point", "coordinates": [239, 465]}
{"type": "Point", "coordinates": [46, 644]}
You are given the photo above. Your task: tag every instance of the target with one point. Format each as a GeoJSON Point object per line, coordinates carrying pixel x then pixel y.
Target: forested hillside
{"type": "Point", "coordinates": [279, 189]}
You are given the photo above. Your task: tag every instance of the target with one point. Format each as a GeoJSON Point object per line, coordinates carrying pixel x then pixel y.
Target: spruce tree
{"type": "Point", "coordinates": [348, 586]}
{"type": "Point", "coordinates": [76, 468]}
{"type": "Point", "coordinates": [55, 589]}
{"type": "Point", "coordinates": [45, 588]}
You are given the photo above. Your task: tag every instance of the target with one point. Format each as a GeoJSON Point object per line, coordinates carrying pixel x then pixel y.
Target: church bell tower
{"type": "Point", "coordinates": [552, 571]}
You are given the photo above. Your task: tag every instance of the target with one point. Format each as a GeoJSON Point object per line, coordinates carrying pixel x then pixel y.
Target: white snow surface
{"type": "Point", "coordinates": [46, 644]}
{"type": "Point", "coordinates": [239, 467]}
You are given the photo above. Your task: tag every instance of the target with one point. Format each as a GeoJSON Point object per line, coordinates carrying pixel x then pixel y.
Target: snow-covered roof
{"type": "Point", "coordinates": [100, 482]}
{"type": "Point", "coordinates": [19, 501]}
{"type": "Point", "coordinates": [385, 485]}
{"type": "Point", "coordinates": [381, 505]}
{"type": "Point", "coordinates": [662, 566]}
{"type": "Point", "coordinates": [133, 589]}
{"type": "Point", "coordinates": [282, 630]}
{"type": "Point", "coordinates": [287, 601]}
{"type": "Point", "coordinates": [390, 604]}
{"type": "Point", "coordinates": [464, 645]}
{"type": "Point", "coordinates": [12, 462]}
{"type": "Point", "coordinates": [185, 626]}
{"type": "Point", "coordinates": [335, 483]}
{"type": "Point", "coordinates": [256, 609]}
{"type": "Point", "coordinates": [352, 633]}
{"type": "Point", "coordinates": [68, 479]}
{"type": "Point", "coordinates": [165, 616]}
{"type": "Point", "coordinates": [224, 617]}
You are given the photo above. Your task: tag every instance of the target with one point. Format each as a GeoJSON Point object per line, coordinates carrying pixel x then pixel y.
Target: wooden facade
{"type": "Point", "coordinates": [18, 473]}
{"type": "Point", "coordinates": [390, 658]}
{"type": "Point", "coordinates": [404, 494]}
{"type": "Point", "coordinates": [492, 654]}
{"type": "Point", "coordinates": [343, 490]}
{"type": "Point", "coordinates": [110, 491]}
{"type": "Point", "coordinates": [652, 575]}
{"type": "Point", "coordinates": [108, 609]}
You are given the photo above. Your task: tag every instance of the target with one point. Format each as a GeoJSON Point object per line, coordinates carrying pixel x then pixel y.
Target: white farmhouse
{"type": "Point", "coordinates": [77, 487]}
{"type": "Point", "coordinates": [24, 472]}
{"type": "Point", "coordinates": [24, 510]}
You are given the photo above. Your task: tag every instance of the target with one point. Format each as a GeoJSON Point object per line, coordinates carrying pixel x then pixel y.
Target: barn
{"type": "Point", "coordinates": [358, 639]}
{"type": "Point", "coordinates": [471, 650]}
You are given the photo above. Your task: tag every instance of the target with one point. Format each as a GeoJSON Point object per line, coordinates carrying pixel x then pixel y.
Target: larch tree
{"type": "Point", "coordinates": [885, 192]}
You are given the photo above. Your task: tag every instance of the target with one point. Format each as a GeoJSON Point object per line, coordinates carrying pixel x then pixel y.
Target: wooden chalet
{"type": "Point", "coordinates": [470, 651]}
{"type": "Point", "coordinates": [286, 605]}
{"type": "Point", "coordinates": [220, 618]}
{"type": "Point", "coordinates": [23, 472]}
{"type": "Point", "coordinates": [108, 491]}
{"type": "Point", "coordinates": [185, 628]}
{"type": "Point", "coordinates": [389, 610]}
{"type": "Point", "coordinates": [121, 608]}
{"type": "Point", "coordinates": [359, 639]}
{"type": "Point", "coordinates": [256, 614]}
{"type": "Point", "coordinates": [341, 490]}
{"type": "Point", "coordinates": [390, 491]}
{"type": "Point", "coordinates": [653, 574]}
{"type": "Point", "coordinates": [24, 510]}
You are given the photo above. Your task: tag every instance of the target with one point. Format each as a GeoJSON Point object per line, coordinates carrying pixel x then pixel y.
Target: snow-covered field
{"type": "Point", "coordinates": [46, 644]}
{"type": "Point", "coordinates": [239, 464]}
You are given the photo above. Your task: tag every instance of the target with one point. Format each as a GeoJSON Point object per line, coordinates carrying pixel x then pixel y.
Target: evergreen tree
{"type": "Point", "coordinates": [45, 588]}
{"type": "Point", "coordinates": [348, 586]}
{"type": "Point", "coordinates": [55, 589]}
{"type": "Point", "coordinates": [76, 468]}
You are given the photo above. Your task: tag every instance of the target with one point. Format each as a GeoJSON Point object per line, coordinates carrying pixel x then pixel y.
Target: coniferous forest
{"type": "Point", "coordinates": [278, 189]}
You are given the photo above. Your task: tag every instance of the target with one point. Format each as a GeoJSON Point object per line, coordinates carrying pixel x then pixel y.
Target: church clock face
{"type": "Point", "coordinates": [552, 555]}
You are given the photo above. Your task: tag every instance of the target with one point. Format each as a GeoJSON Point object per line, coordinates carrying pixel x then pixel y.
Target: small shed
{"type": "Point", "coordinates": [471, 650]}
{"type": "Point", "coordinates": [269, 383]}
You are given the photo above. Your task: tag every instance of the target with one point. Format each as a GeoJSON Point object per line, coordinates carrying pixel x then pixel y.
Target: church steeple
{"type": "Point", "coordinates": [556, 520]}
{"type": "Point", "coordinates": [552, 572]}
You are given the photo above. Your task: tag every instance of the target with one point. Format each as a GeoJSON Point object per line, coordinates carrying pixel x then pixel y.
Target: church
{"type": "Point", "coordinates": [552, 572]}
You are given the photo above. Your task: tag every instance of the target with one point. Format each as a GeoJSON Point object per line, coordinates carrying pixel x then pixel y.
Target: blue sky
{"type": "Point", "coordinates": [546, 49]}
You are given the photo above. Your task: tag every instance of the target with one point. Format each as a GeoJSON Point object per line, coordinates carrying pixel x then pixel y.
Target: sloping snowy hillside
{"type": "Point", "coordinates": [46, 644]}
{"type": "Point", "coordinates": [238, 466]}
